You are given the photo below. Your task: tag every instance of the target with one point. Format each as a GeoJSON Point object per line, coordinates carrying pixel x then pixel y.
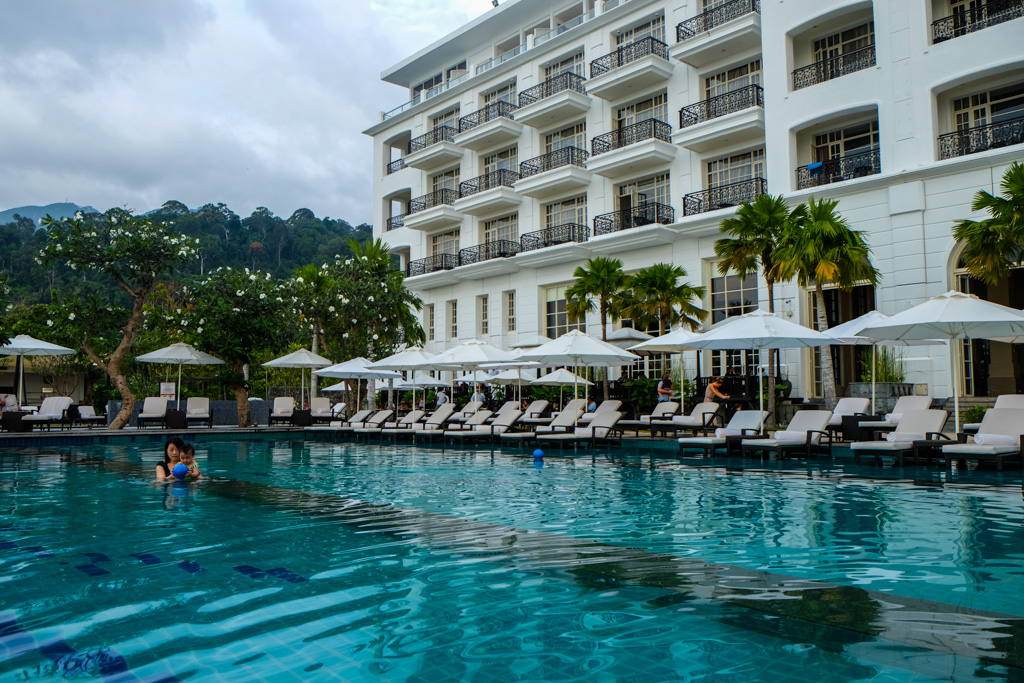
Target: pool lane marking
{"type": "Point", "coordinates": [923, 624]}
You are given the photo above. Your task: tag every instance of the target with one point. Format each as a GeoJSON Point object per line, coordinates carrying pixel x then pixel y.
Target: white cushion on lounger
{"type": "Point", "coordinates": [789, 436]}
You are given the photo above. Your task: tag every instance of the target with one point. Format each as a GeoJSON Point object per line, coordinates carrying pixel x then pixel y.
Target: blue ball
{"type": "Point", "coordinates": [538, 453]}
{"type": "Point", "coordinates": [180, 471]}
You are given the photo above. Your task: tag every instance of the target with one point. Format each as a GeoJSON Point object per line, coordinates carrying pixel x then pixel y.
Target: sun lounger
{"type": "Point", "coordinates": [338, 411]}
{"type": "Point", "coordinates": [197, 410]}
{"type": "Point", "coordinates": [435, 422]}
{"type": "Point", "coordinates": [605, 407]}
{"type": "Point", "coordinates": [284, 408]}
{"type": "Point", "coordinates": [803, 433]}
{"type": "Point", "coordinates": [703, 418]}
{"type": "Point", "coordinates": [154, 409]}
{"type": "Point", "coordinates": [359, 416]}
{"type": "Point", "coordinates": [1000, 437]}
{"type": "Point", "coordinates": [575, 405]}
{"type": "Point", "coordinates": [662, 411]}
{"type": "Point", "coordinates": [846, 407]}
{"type": "Point", "coordinates": [87, 416]}
{"type": "Point", "coordinates": [52, 411]}
{"type": "Point", "coordinates": [320, 410]}
{"type": "Point", "coordinates": [1011, 401]}
{"type": "Point", "coordinates": [506, 407]}
{"type": "Point", "coordinates": [743, 423]}
{"type": "Point", "coordinates": [479, 418]}
{"type": "Point", "coordinates": [535, 409]}
{"type": "Point", "coordinates": [373, 422]}
{"type": "Point", "coordinates": [410, 419]}
{"type": "Point", "coordinates": [467, 411]}
{"type": "Point", "coordinates": [914, 425]}
{"type": "Point", "coordinates": [499, 424]}
{"type": "Point", "coordinates": [602, 428]}
{"type": "Point", "coordinates": [563, 422]}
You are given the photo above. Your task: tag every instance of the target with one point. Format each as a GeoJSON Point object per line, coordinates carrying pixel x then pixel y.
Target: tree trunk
{"type": "Point", "coordinates": [242, 400]}
{"type": "Point", "coordinates": [771, 358]}
{"type": "Point", "coordinates": [828, 375]}
{"type": "Point", "coordinates": [113, 366]}
{"type": "Point", "coordinates": [605, 385]}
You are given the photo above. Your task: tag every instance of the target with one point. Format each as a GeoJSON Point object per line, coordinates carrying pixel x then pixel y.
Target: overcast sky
{"type": "Point", "coordinates": [247, 102]}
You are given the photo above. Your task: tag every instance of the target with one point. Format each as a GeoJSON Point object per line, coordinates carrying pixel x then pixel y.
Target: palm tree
{"type": "Point", "coordinates": [756, 232]}
{"type": "Point", "coordinates": [821, 248]}
{"type": "Point", "coordinates": [656, 295]}
{"type": "Point", "coordinates": [995, 245]}
{"type": "Point", "coordinates": [599, 283]}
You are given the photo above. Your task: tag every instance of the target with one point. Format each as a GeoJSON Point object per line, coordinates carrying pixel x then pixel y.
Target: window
{"type": "Point", "coordinates": [845, 42]}
{"type": "Point", "coordinates": [431, 82]}
{"type": "Point", "coordinates": [573, 136]}
{"type": "Point", "coordinates": [505, 93]}
{"type": "Point", "coordinates": [572, 210]}
{"type": "Point", "coordinates": [573, 64]}
{"type": "Point", "coordinates": [504, 228]}
{"type": "Point", "coordinates": [506, 159]}
{"type": "Point", "coordinates": [653, 189]}
{"type": "Point", "coordinates": [428, 321]}
{"type": "Point", "coordinates": [447, 180]}
{"type": "Point", "coordinates": [655, 107]}
{"type": "Point", "coordinates": [453, 319]}
{"type": "Point", "coordinates": [556, 320]}
{"type": "Point", "coordinates": [993, 106]}
{"type": "Point", "coordinates": [731, 296]}
{"type": "Point", "coordinates": [510, 311]}
{"type": "Point", "coordinates": [455, 71]}
{"type": "Point", "coordinates": [445, 243]}
{"type": "Point", "coordinates": [482, 312]}
{"type": "Point", "coordinates": [855, 139]}
{"type": "Point", "coordinates": [655, 28]}
{"type": "Point", "coordinates": [736, 168]}
{"type": "Point", "coordinates": [447, 118]}
{"type": "Point", "coordinates": [733, 79]}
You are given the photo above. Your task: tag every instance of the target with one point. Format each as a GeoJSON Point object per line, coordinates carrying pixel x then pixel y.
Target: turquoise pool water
{"type": "Point", "coordinates": [343, 562]}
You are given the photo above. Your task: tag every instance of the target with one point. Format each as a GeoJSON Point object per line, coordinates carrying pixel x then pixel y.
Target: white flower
{"type": "Point", "coordinates": [299, 279]}
{"type": "Point", "coordinates": [345, 336]}
{"type": "Point", "coordinates": [348, 262]}
{"type": "Point", "coordinates": [374, 337]}
{"type": "Point", "coordinates": [252, 277]}
{"type": "Point", "coordinates": [239, 293]}
{"type": "Point", "coordinates": [199, 330]}
{"type": "Point", "coordinates": [262, 295]}
{"type": "Point", "coordinates": [71, 316]}
{"type": "Point", "coordinates": [49, 323]}
{"type": "Point", "coordinates": [331, 309]}
{"type": "Point", "coordinates": [236, 310]}
{"type": "Point", "coordinates": [370, 299]}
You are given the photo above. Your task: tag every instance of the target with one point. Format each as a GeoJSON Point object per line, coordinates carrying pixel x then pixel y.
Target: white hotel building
{"type": "Point", "coordinates": [546, 132]}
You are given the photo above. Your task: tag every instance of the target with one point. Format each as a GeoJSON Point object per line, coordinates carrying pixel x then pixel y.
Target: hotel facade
{"type": "Point", "coordinates": [544, 133]}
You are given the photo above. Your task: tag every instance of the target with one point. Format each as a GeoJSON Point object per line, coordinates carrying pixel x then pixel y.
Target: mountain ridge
{"type": "Point", "coordinates": [57, 210]}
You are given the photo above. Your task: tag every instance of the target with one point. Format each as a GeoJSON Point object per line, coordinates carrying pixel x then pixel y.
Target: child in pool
{"type": "Point", "coordinates": [188, 458]}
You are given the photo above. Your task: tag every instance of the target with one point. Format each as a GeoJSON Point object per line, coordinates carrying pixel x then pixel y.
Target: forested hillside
{"type": "Point", "coordinates": [261, 240]}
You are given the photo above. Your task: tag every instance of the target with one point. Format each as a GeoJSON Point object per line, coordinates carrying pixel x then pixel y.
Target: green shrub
{"type": "Point", "coordinates": [888, 366]}
{"type": "Point", "coordinates": [973, 414]}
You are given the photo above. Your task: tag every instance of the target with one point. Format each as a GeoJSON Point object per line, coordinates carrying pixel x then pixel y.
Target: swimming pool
{"type": "Point", "coordinates": [355, 562]}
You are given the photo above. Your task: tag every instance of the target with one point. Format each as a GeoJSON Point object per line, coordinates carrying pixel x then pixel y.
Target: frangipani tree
{"type": "Point", "coordinates": [133, 252]}
{"type": "Point", "coordinates": [234, 315]}
{"type": "Point", "coordinates": [5, 302]}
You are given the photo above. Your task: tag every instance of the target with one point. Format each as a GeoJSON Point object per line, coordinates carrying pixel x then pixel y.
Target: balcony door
{"type": "Point", "coordinates": [732, 79]}
{"type": "Point", "coordinates": [849, 141]}
{"type": "Point", "coordinates": [655, 107]}
{"type": "Point", "coordinates": [573, 136]}
{"type": "Point", "coordinates": [448, 180]}
{"type": "Point", "coordinates": [640, 192]}
{"type": "Point", "coordinates": [844, 42]}
{"type": "Point", "coordinates": [736, 168]}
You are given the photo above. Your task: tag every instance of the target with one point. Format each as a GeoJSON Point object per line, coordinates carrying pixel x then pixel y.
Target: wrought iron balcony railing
{"type": "Point", "coordinates": [647, 213]}
{"type": "Point", "coordinates": [503, 177]}
{"type": "Point", "coordinates": [628, 53]}
{"type": "Point", "coordinates": [556, 234]}
{"type": "Point", "coordinates": [396, 221]}
{"type": "Point", "coordinates": [396, 165]}
{"type": "Point", "coordinates": [439, 134]}
{"type": "Point", "coordinates": [650, 129]}
{"type": "Point", "coordinates": [720, 105]}
{"type": "Point", "coordinates": [834, 67]}
{"type": "Point", "coordinates": [839, 169]}
{"type": "Point", "coordinates": [710, 18]}
{"type": "Point", "coordinates": [567, 156]}
{"type": "Point", "coordinates": [976, 18]}
{"type": "Point", "coordinates": [724, 196]}
{"type": "Point", "coordinates": [554, 85]}
{"type": "Point", "coordinates": [436, 198]}
{"type": "Point", "coordinates": [981, 138]}
{"type": "Point", "coordinates": [494, 110]}
{"type": "Point", "coordinates": [487, 251]}
{"type": "Point", "coordinates": [431, 264]}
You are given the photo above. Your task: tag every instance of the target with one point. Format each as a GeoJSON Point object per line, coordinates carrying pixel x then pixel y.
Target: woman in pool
{"type": "Point", "coordinates": [172, 456]}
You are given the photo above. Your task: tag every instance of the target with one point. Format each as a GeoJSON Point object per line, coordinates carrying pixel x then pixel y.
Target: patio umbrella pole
{"type": "Point", "coordinates": [956, 388]}
{"type": "Point", "coordinates": [874, 350]}
{"type": "Point", "coordinates": [177, 391]}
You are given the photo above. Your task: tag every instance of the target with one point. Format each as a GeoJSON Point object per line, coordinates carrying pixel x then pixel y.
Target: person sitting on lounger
{"type": "Point", "coordinates": [665, 388]}
{"type": "Point", "coordinates": [8, 403]}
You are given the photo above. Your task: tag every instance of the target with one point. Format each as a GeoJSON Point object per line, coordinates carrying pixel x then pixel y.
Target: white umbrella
{"type": "Point", "coordinates": [24, 345]}
{"type": "Point", "coordinates": [356, 368]}
{"type": "Point", "coordinates": [578, 349]}
{"type": "Point", "coordinates": [532, 341]}
{"type": "Point", "coordinates": [180, 354]}
{"type": "Point", "coordinates": [514, 376]}
{"type": "Point", "coordinates": [953, 315]}
{"type": "Point", "coordinates": [411, 358]}
{"type": "Point", "coordinates": [561, 378]}
{"type": "Point", "coordinates": [476, 377]}
{"type": "Point", "coordinates": [470, 355]}
{"type": "Point", "coordinates": [849, 333]}
{"type": "Point", "coordinates": [757, 331]}
{"type": "Point", "coordinates": [673, 342]}
{"type": "Point", "coordinates": [627, 337]}
{"type": "Point", "coordinates": [303, 358]}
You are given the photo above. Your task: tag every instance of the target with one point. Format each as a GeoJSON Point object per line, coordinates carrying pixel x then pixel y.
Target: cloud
{"type": "Point", "coordinates": [255, 103]}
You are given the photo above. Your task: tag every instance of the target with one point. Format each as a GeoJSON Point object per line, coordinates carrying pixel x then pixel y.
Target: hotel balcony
{"type": "Point", "coordinates": [396, 166]}
{"type": "Point", "coordinates": [976, 18]}
{"type": "Point", "coordinates": [731, 28]}
{"type": "Point", "coordinates": [488, 194]}
{"type": "Point", "coordinates": [981, 138]}
{"type": "Point", "coordinates": [556, 99]}
{"type": "Point", "coordinates": [554, 173]}
{"type": "Point", "coordinates": [489, 127]}
{"type": "Point", "coordinates": [727, 119]}
{"type": "Point", "coordinates": [648, 213]}
{"type": "Point", "coordinates": [395, 222]}
{"type": "Point", "coordinates": [431, 264]}
{"type": "Point", "coordinates": [434, 211]}
{"type": "Point", "coordinates": [558, 244]}
{"type": "Point", "coordinates": [488, 259]}
{"type": "Point", "coordinates": [839, 169]}
{"type": "Point", "coordinates": [433, 150]}
{"type": "Point", "coordinates": [827, 69]}
{"type": "Point", "coordinates": [632, 149]}
{"type": "Point", "coordinates": [724, 196]}
{"type": "Point", "coordinates": [633, 68]}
